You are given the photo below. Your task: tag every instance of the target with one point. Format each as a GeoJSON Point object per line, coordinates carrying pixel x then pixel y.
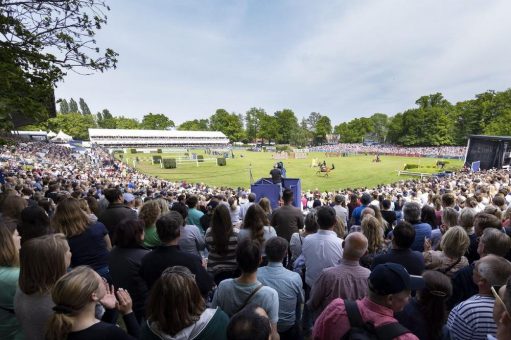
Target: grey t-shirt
{"type": "Point", "coordinates": [33, 312]}
{"type": "Point", "coordinates": [231, 295]}
{"type": "Point", "coordinates": [269, 232]}
{"type": "Point", "coordinates": [191, 240]}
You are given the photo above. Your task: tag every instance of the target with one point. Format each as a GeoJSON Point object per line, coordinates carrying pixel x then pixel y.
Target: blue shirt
{"type": "Point", "coordinates": [357, 212]}
{"type": "Point", "coordinates": [288, 285]}
{"type": "Point", "coordinates": [422, 230]}
{"type": "Point", "coordinates": [194, 216]}
{"type": "Point", "coordinates": [320, 250]}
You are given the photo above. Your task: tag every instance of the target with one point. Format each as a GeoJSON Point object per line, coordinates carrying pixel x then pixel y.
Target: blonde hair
{"type": "Point", "coordinates": [455, 242]}
{"type": "Point", "coordinates": [373, 230]}
{"type": "Point", "coordinates": [339, 227]}
{"type": "Point", "coordinates": [84, 205]}
{"type": "Point", "coordinates": [71, 294]}
{"type": "Point", "coordinates": [265, 204]}
{"type": "Point", "coordinates": [9, 255]}
{"type": "Point", "coordinates": [69, 219]}
{"type": "Point", "coordinates": [150, 212]}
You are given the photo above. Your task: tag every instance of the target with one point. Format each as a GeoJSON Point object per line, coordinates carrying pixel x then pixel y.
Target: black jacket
{"type": "Point", "coordinates": [114, 214]}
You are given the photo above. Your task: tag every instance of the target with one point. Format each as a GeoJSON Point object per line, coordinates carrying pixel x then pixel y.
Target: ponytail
{"type": "Point", "coordinates": [59, 326]}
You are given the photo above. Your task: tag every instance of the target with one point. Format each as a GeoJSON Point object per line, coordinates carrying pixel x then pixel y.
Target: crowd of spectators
{"type": "Point", "coordinates": [389, 149]}
{"type": "Point", "coordinates": [85, 239]}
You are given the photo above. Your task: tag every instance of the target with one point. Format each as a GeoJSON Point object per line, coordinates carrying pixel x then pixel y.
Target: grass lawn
{"type": "Point", "coordinates": [353, 171]}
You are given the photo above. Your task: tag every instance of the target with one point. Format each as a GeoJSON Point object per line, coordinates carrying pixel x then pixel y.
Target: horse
{"type": "Point", "coordinates": [325, 170]}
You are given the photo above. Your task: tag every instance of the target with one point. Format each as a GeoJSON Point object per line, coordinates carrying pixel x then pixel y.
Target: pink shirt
{"type": "Point", "coordinates": [333, 323]}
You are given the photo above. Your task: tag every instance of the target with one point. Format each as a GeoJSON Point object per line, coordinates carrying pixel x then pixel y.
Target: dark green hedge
{"type": "Point", "coordinates": [156, 159]}
{"type": "Point", "coordinates": [169, 163]}
{"type": "Point", "coordinates": [411, 166]}
{"type": "Point", "coordinates": [221, 161]}
{"type": "Point", "coordinates": [200, 158]}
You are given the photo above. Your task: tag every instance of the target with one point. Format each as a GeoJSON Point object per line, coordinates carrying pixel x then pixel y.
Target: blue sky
{"type": "Point", "coordinates": [344, 59]}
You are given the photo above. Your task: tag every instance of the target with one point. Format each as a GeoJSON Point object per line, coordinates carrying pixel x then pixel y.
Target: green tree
{"type": "Point", "coordinates": [380, 126]}
{"type": "Point", "coordinates": [73, 106]}
{"type": "Point", "coordinates": [105, 120]}
{"type": "Point", "coordinates": [195, 125]}
{"type": "Point", "coordinates": [268, 129]}
{"type": "Point", "coordinates": [73, 123]}
{"type": "Point", "coordinates": [84, 108]}
{"type": "Point", "coordinates": [287, 124]}
{"type": "Point", "coordinates": [312, 121]}
{"type": "Point", "coordinates": [64, 106]}
{"type": "Point", "coordinates": [500, 126]}
{"type": "Point", "coordinates": [156, 121]}
{"type": "Point", "coordinates": [41, 41]}
{"type": "Point", "coordinates": [253, 119]}
{"type": "Point", "coordinates": [323, 128]}
{"type": "Point", "coordinates": [126, 123]}
{"type": "Point", "coordinates": [228, 123]}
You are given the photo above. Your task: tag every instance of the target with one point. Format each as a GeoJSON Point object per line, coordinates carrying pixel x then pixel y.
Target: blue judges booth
{"type": "Point", "coordinates": [264, 187]}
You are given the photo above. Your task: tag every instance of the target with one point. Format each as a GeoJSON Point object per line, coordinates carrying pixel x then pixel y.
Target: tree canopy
{"type": "Point", "coordinates": [156, 121]}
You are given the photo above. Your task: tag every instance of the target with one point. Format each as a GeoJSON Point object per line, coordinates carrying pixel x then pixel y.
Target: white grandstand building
{"type": "Point", "coordinates": [113, 138]}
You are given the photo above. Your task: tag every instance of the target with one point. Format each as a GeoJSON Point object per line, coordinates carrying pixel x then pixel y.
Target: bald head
{"type": "Point", "coordinates": [355, 246]}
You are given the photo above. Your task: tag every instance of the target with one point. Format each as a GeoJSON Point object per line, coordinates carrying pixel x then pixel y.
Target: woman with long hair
{"type": "Point", "coordinates": [12, 207]}
{"type": "Point", "coordinates": [76, 295]}
{"type": "Point", "coordinates": [9, 274]}
{"type": "Point", "coordinates": [149, 213]}
{"type": "Point", "coordinates": [89, 242]}
{"type": "Point", "coordinates": [373, 230]}
{"type": "Point", "coordinates": [221, 242]}
{"type": "Point", "coordinates": [234, 210]}
{"type": "Point", "coordinates": [256, 226]}
{"type": "Point", "coordinates": [266, 205]}
{"type": "Point", "coordinates": [43, 260]}
{"type": "Point", "coordinates": [176, 310]}
{"type": "Point", "coordinates": [125, 262]}
{"type": "Point", "coordinates": [450, 259]}
{"type": "Point", "coordinates": [34, 223]}
{"type": "Point", "coordinates": [426, 314]}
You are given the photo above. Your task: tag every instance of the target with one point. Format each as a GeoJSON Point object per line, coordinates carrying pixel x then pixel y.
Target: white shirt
{"type": "Point", "coordinates": [320, 250]}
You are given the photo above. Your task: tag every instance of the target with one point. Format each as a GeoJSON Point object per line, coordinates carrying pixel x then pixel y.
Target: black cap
{"type": "Point", "coordinates": [392, 278]}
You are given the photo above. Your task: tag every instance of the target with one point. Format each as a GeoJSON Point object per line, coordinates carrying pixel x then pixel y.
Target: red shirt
{"type": "Point", "coordinates": [333, 323]}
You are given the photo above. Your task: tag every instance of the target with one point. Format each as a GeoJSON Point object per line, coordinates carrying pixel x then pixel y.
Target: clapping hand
{"type": "Point", "coordinates": [427, 244]}
{"type": "Point", "coordinates": [108, 301]}
{"type": "Point", "coordinates": [124, 304]}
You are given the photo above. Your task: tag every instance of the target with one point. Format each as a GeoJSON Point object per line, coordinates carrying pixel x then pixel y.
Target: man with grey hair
{"type": "Point", "coordinates": [244, 207]}
{"type": "Point", "coordinates": [493, 241]}
{"type": "Point", "coordinates": [473, 318]}
{"type": "Point", "coordinates": [412, 214]}
{"type": "Point", "coordinates": [340, 209]}
{"type": "Point", "coordinates": [347, 280]}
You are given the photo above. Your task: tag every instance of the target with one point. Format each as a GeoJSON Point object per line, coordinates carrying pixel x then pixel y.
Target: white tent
{"type": "Point", "coordinates": [51, 134]}
{"type": "Point", "coordinates": [61, 137]}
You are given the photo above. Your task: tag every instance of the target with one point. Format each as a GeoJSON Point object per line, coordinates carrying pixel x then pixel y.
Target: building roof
{"type": "Point", "coordinates": [488, 137]}
{"type": "Point", "coordinates": [154, 133]}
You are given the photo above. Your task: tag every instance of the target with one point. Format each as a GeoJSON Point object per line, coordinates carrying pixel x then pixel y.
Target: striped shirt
{"type": "Point", "coordinates": [220, 263]}
{"type": "Point", "coordinates": [472, 319]}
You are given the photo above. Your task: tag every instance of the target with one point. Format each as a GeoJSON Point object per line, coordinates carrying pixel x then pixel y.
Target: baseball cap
{"type": "Point", "coordinates": [392, 278]}
{"type": "Point", "coordinates": [128, 197]}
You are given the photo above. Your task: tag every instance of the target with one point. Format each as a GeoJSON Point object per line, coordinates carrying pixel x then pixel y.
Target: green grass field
{"type": "Point", "coordinates": [353, 171]}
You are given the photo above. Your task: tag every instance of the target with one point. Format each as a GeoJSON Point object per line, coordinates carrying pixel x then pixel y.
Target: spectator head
{"type": "Point", "coordinates": [428, 215]}
{"type": "Point", "coordinates": [326, 217]}
{"type": "Point", "coordinates": [72, 293]}
{"type": "Point", "coordinates": [432, 300]}
{"type": "Point", "coordinates": [43, 260]}
{"type": "Point", "coordinates": [93, 205]}
{"type": "Point", "coordinates": [450, 217]}
{"type": "Point", "coordinates": [386, 204]}
{"type": "Point", "coordinates": [287, 196]}
{"type": "Point", "coordinates": [149, 213]}
{"type": "Point", "coordinates": [369, 211]}
{"type": "Point", "coordinates": [192, 201]}
{"type": "Point", "coordinates": [168, 226]}
{"type": "Point", "coordinates": [175, 301]}
{"type": "Point", "coordinates": [340, 199]}
{"type": "Point", "coordinates": [390, 286]}
{"type": "Point", "coordinates": [11, 210]}
{"type": "Point", "coordinates": [181, 209]}
{"type": "Point", "coordinates": [355, 246]}
{"type": "Point", "coordinates": [499, 201]}
{"type": "Point", "coordinates": [412, 212]}
{"type": "Point", "coordinates": [34, 223]}
{"type": "Point", "coordinates": [9, 247]}
{"type": "Point", "coordinates": [502, 310]}
{"type": "Point", "coordinates": [491, 270]}
{"type": "Point", "coordinates": [404, 235]}
{"type": "Point", "coordinates": [276, 249]}
{"type": "Point", "coordinates": [494, 241]}
{"type": "Point", "coordinates": [455, 242]}
{"type": "Point", "coordinates": [448, 200]}
{"type": "Point", "coordinates": [373, 230]}
{"type": "Point", "coordinates": [251, 323]}
{"type": "Point", "coordinates": [493, 210]}
{"type": "Point", "coordinates": [466, 219]}
{"type": "Point", "coordinates": [483, 220]}
{"type": "Point", "coordinates": [265, 204]}
{"type": "Point", "coordinates": [365, 199]}
{"type": "Point", "coordinates": [114, 195]}
{"type": "Point", "coordinates": [311, 222]}
{"type": "Point", "coordinates": [248, 256]}
{"type": "Point", "coordinates": [251, 197]}
{"type": "Point", "coordinates": [129, 233]}
{"type": "Point", "coordinates": [69, 218]}
{"type": "Point", "coordinates": [221, 229]}
{"type": "Point", "coordinates": [129, 199]}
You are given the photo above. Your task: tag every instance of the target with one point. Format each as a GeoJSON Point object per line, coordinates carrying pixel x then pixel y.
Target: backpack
{"type": "Point", "coordinates": [361, 330]}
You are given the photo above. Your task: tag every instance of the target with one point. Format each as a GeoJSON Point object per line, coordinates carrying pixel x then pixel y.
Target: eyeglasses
{"type": "Point", "coordinates": [495, 291]}
{"type": "Point", "coordinates": [179, 270]}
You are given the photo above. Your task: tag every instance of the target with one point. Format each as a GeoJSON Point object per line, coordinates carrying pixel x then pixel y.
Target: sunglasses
{"type": "Point", "coordinates": [495, 291]}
